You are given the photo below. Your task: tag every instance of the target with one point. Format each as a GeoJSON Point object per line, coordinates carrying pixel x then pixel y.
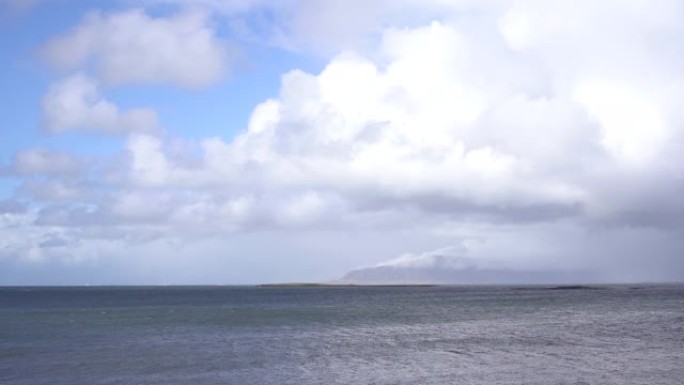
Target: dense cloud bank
{"type": "Point", "coordinates": [544, 136]}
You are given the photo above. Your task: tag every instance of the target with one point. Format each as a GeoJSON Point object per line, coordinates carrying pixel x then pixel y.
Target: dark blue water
{"type": "Point", "coordinates": [336, 335]}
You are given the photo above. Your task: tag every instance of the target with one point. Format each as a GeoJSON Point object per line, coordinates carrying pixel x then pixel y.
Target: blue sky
{"type": "Point", "coordinates": [244, 141]}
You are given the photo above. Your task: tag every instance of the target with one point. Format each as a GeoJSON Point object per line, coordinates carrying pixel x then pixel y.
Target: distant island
{"type": "Point", "coordinates": [513, 286]}
{"type": "Point", "coordinates": [315, 284]}
{"type": "Point", "coordinates": [441, 275]}
{"type": "Point", "coordinates": [448, 267]}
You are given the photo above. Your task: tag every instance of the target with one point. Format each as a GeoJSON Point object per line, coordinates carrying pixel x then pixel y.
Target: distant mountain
{"type": "Point", "coordinates": [382, 275]}
{"type": "Point", "coordinates": [445, 266]}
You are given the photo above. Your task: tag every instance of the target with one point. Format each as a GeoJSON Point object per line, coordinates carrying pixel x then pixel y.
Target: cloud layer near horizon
{"type": "Point", "coordinates": [541, 135]}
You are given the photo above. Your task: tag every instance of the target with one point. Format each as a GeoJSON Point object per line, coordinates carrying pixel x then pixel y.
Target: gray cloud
{"type": "Point", "coordinates": [42, 161]}
{"type": "Point", "coordinates": [10, 206]}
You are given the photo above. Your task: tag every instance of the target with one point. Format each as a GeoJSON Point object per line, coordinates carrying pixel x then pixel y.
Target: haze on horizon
{"type": "Point", "coordinates": [247, 141]}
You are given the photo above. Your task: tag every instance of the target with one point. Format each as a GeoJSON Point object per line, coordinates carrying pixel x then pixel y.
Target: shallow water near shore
{"type": "Point", "coordinates": [342, 335]}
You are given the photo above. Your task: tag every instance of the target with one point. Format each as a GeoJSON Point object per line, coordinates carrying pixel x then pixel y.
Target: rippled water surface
{"type": "Point", "coordinates": [337, 335]}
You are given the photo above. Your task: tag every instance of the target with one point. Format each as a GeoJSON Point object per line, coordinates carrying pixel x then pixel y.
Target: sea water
{"type": "Point", "coordinates": [342, 335]}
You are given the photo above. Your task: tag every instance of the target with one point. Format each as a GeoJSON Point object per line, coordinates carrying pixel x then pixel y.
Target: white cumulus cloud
{"type": "Point", "coordinates": [75, 103]}
{"type": "Point", "coordinates": [133, 47]}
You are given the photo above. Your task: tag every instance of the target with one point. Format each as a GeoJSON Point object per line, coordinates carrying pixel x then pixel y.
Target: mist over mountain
{"type": "Point", "coordinates": [382, 275]}
{"type": "Point", "coordinates": [444, 267]}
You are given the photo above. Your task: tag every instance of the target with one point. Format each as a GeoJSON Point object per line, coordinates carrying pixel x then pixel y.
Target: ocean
{"type": "Point", "coordinates": [342, 335]}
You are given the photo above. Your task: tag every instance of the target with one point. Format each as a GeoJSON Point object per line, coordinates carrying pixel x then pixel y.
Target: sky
{"type": "Point", "coordinates": [250, 141]}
